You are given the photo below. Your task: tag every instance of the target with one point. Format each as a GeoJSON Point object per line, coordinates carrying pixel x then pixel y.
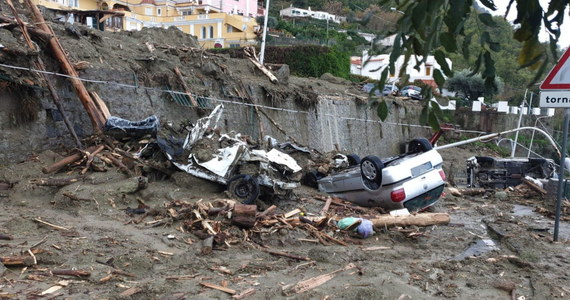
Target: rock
{"type": "Point", "coordinates": [282, 74]}
{"type": "Point", "coordinates": [211, 69]}
{"type": "Point", "coordinates": [501, 195]}
{"type": "Point", "coordinates": [2, 269]}
{"type": "Point", "coordinates": [333, 79]}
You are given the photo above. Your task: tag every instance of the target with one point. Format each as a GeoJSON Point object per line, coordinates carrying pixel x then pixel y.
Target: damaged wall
{"type": "Point", "coordinates": [132, 70]}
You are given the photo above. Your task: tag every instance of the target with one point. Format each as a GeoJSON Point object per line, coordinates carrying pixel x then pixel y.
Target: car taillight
{"type": "Point", "coordinates": [442, 174]}
{"type": "Point", "coordinates": [398, 195]}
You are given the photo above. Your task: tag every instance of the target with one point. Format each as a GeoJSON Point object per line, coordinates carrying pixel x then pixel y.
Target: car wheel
{"type": "Point", "coordinates": [419, 145]}
{"type": "Point", "coordinates": [353, 160]}
{"type": "Point", "coordinates": [244, 187]}
{"type": "Point", "coordinates": [371, 172]}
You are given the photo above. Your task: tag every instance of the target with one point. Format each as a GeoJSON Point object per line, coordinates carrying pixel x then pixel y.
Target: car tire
{"type": "Point", "coordinates": [371, 172]}
{"type": "Point", "coordinates": [244, 188]}
{"type": "Point", "coordinates": [419, 145]}
{"type": "Point", "coordinates": [353, 160]}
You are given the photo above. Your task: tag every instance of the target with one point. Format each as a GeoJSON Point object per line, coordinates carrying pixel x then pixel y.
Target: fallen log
{"type": "Point", "coordinates": [66, 161]}
{"type": "Point", "coordinates": [57, 181]}
{"type": "Point", "coordinates": [17, 261]}
{"type": "Point", "coordinates": [244, 215]}
{"type": "Point", "coordinates": [467, 191]}
{"type": "Point", "coordinates": [425, 219]}
{"type": "Point", "coordinates": [96, 116]}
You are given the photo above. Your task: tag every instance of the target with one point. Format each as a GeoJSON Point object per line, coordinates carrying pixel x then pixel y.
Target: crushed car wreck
{"type": "Point", "coordinates": [413, 180]}
{"type": "Point", "coordinates": [493, 172]}
{"type": "Point", "coordinates": [228, 159]}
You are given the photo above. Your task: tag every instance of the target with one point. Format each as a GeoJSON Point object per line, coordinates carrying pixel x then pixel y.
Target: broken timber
{"type": "Point", "coordinates": [96, 116]}
{"type": "Point", "coordinates": [66, 161]}
{"type": "Point", "coordinates": [425, 219]}
{"type": "Point", "coordinates": [39, 64]}
{"type": "Point", "coordinates": [250, 53]}
{"type": "Point", "coordinates": [186, 89]}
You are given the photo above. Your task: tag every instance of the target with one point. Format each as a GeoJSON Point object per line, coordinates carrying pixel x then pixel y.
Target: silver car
{"type": "Point", "coordinates": [413, 180]}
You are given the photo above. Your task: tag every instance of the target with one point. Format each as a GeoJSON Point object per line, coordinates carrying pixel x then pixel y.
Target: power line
{"type": "Point", "coordinates": [225, 101]}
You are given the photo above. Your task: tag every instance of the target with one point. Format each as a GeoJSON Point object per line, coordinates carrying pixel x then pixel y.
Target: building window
{"type": "Point", "coordinates": [211, 32]}
{"type": "Point", "coordinates": [159, 11]}
{"type": "Point", "coordinates": [428, 71]}
{"type": "Point", "coordinates": [230, 28]}
{"type": "Point", "coordinates": [234, 45]}
{"type": "Point", "coordinates": [203, 32]}
{"type": "Point", "coordinates": [148, 11]}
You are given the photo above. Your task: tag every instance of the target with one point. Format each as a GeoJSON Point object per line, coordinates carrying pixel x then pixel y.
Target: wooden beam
{"type": "Point", "coordinates": [424, 219]}
{"type": "Point", "coordinates": [186, 89]}
{"type": "Point", "coordinates": [96, 116]}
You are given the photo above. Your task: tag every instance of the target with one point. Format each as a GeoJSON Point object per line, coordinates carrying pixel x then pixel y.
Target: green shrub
{"type": "Point", "coordinates": [305, 60]}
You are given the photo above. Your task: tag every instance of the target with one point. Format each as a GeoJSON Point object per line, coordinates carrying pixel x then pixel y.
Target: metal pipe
{"type": "Point", "coordinates": [494, 135]}
{"type": "Point", "coordinates": [514, 148]}
{"type": "Point", "coordinates": [561, 175]}
{"type": "Point", "coordinates": [532, 137]}
{"type": "Point", "coordinates": [262, 51]}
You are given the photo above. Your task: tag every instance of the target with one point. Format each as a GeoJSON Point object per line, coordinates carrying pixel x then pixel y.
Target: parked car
{"type": "Point", "coordinates": [495, 172]}
{"type": "Point", "coordinates": [389, 89]}
{"type": "Point", "coordinates": [412, 91]}
{"type": "Point", "coordinates": [413, 180]}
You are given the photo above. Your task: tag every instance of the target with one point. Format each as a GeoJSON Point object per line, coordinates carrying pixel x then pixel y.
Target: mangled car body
{"type": "Point", "coordinates": [413, 180]}
{"type": "Point", "coordinates": [229, 159]}
{"type": "Point", "coordinates": [493, 172]}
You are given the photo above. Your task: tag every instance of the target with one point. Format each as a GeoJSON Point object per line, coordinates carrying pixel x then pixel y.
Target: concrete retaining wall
{"type": "Point", "coordinates": [324, 126]}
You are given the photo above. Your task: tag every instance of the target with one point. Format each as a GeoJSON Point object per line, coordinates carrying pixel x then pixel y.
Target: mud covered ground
{"type": "Point", "coordinates": [515, 257]}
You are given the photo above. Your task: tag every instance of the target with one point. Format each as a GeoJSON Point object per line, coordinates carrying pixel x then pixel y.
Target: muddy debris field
{"type": "Point", "coordinates": [186, 210]}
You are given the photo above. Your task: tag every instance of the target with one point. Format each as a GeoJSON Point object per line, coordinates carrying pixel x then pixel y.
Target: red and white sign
{"type": "Point", "coordinates": [559, 76]}
{"type": "Point", "coordinates": [555, 89]}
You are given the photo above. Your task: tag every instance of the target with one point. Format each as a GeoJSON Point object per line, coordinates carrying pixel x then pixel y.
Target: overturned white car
{"type": "Point", "coordinates": [413, 180]}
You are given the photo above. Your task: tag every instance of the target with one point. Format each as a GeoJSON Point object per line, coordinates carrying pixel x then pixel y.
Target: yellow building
{"type": "Point", "coordinates": [201, 18]}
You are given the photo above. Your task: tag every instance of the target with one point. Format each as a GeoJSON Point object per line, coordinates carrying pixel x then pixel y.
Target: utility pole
{"type": "Point", "coordinates": [266, 16]}
{"type": "Point", "coordinates": [514, 148]}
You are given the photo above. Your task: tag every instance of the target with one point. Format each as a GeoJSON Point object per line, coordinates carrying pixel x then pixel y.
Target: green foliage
{"type": "Point", "coordinates": [305, 60]}
{"type": "Point", "coordinates": [327, 34]}
{"type": "Point", "coordinates": [440, 27]}
{"type": "Point", "coordinates": [470, 86]}
{"type": "Point", "coordinates": [271, 21]}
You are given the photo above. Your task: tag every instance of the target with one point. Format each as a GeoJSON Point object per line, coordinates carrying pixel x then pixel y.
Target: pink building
{"type": "Point", "coordinates": [246, 8]}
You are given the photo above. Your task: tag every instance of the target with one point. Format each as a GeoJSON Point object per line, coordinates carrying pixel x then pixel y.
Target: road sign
{"type": "Point", "coordinates": [555, 98]}
{"type": "Point", "coordinates": [559, 76]}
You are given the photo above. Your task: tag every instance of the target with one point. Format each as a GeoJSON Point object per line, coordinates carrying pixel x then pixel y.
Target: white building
{"type": "Point", "coordinates": [308, 13]}
{"type": "Point", "coordinates": [372, 66]}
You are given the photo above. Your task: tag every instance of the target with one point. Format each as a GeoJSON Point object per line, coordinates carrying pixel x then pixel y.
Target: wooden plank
{"type": "Point", "coordinates": [311, 283]}
{"type": "Point", "coordinates": [186, 89]}
{"type": "Point", "coordinates": [424, 219]}
{"type": "Point", "coordinates": [218, 287]}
